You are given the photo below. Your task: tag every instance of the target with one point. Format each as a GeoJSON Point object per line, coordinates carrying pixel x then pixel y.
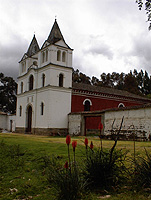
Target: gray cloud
{"type": "Point", "coordinates": [101, 49]}
{"type": "Point", "coordinates": [10, 55]}
{"type": "Point", "coordinates": [140, 52]}
{"type": "Point", "coordinates": [142, 48]}
{"type": "Point", "coordinates": [97, 46]}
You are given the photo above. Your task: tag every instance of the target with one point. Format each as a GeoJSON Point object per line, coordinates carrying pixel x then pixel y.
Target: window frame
{"type": "Point", "coordinates": [58, 55]}
{"type": "Point", "coordinates": [61, 77]}
{"type": "Point", "coordinates": [42, 108]}
{"type": "Point", "coordinates": [31, 82]}
{"type": "Point", "coordinates": [85, 106]}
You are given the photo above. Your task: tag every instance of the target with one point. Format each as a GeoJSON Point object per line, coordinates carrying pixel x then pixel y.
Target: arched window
{"type": "Point", "coordinates": [87, 103]}
{"type": "Point", "coordinates": [43, 57]}
{"type": "Point", "coordinates": [60, 80]}
{"type": "Point", "coordinates": [43, 80]}
{"type": "Point", "coordinates": [121, 105]}
{"type": "Point", "coordinates": [64, 56]}
{"type": "Point", "coordinates": [58, 55]}
{"type": "Point", "coordinates": [46, 55]}
{"type": "Point", "coordinates": [31, 82]}
{"type": "Point", "coordinates": [21, 89]}
{"type": "Point", "coordinates": [20, 111]}
{"type": "Point", "coordinates": [24, 66]}
{"type": "Point", "coordinates": [42, 108]}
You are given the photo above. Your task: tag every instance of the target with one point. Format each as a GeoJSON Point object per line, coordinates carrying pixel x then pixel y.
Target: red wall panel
{"type": "Point", "coordinates": [98, 103]}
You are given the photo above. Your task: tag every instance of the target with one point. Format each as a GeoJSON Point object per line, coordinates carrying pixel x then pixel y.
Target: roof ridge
{"type": "Point", "coordinates": [33, 47]}
{"type": "Point", "coordinates": [55, 34]}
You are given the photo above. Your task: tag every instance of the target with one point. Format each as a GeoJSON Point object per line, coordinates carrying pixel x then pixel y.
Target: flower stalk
{"type": "Point", "coordinates": [74, 144]}
{"type": "Point", "coordinates": [68, 141]}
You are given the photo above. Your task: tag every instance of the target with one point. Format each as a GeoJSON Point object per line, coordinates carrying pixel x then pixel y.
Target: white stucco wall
{"type": "Point", "coordinates": [60, 107]}
{"type": "Point", "coordinates": [74, 124]}
{"type": "Point", "coordinates": [7, 122]}
{"type": "Point", "coordinates": [139, 118]}
{"type": "Point", "coordinates": [3, 121]}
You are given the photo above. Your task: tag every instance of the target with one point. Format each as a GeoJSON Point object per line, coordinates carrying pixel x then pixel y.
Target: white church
{"type": "Point", "coordinates": [48, 103]}
{"type": "Point", "coordinates": [45, 86]}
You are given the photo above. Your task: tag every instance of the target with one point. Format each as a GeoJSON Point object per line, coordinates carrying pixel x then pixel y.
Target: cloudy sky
{"type": "Point", "coordinates": [106, 35]}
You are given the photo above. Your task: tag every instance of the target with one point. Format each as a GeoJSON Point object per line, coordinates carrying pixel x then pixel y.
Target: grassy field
{"type": "Point", "coordinates": [24, 176]}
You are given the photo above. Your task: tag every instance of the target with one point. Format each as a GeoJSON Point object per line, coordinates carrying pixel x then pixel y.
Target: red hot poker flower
{"type": "Point", "coordinates": [86, 142]}
{"type": "Point", "coordinates": [100, 127]}
{"type": "Point", "coordinates": [74, 144]}
{"type": "Point", "coordinates": [91, 145]}
{"type": "Point", "coordinates": [66, 165]}
{"type": "Point", "coordinates": [68, 139]}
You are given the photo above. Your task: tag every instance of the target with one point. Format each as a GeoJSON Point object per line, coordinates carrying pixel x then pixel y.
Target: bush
{"type": "Point", "coordinates": [105, 169]}
{"type": "Point", "coordinates": [102, 169]}
{"type": "Point", "coordinates": [68, 182]}
{"type": "Point", "coordinates": [142, 172]}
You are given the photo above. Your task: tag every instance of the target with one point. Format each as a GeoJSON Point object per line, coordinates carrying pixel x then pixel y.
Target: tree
{"type": "Point", "coordinates": [106, 80]}
{"type": "Point", "coordinates": [130, 84]}
{"type": "Point", "coordinates": [79, 77]}
{"type": "Point", "coordinates": [134, 82]}
{"type": "Point", "coordinates": [8, 90]}
{"type": "Point", "coordinates": [147, 4]}
{"type": "Point", "coordinates": [95, 81]}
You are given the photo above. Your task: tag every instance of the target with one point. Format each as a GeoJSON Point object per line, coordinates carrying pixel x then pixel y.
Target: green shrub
{"type": "Point", "coordinates": [142, 172]}
{"type": "Point", "coordinates": [68, 182]}
{"type": "Point", "coordinates": [105, 169]}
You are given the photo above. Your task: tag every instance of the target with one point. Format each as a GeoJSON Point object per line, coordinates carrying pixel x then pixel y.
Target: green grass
{"type": "Point", "coordinates": [24, 176]}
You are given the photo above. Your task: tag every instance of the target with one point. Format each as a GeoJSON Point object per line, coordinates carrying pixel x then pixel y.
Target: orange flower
{"type": "Point", "coordinates": [74, 144]}
{"type": "Point", "coordinates": [66, 165]}
{"type": "Point", "coordinates": [68, 139]}
{"type": "Point", "coordinates": [91, 145]}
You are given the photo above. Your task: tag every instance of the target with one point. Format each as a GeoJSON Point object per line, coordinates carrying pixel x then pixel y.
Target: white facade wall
{"type": "Point", "coordinates": [57, 105]}
{"type": "Point", "coordinates": [52, 76]}
{"type": "Point", "coordinates": [24, 100]}
{"type": "Point", "coordinates": [60, 107]}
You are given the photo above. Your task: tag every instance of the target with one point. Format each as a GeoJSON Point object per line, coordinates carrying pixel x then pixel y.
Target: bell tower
{"type": "Point", "coordinates": [44, 86]}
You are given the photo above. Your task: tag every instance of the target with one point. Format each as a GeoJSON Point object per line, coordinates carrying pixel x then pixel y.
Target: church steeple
{"type": "Point", "coordinates": [33, 47]}
{"type": "Point", "coordinates": [55, 34]}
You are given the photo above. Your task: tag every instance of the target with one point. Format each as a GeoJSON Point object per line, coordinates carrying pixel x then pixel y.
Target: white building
{"type": "Point", "coordinates": [45, 95]}
{"type": "Point", "coordinates": [7, 122]}
{"type": "Point", "coordinates": [44, 86]}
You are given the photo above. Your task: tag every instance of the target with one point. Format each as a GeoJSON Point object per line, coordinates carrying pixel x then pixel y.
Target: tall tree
{"type": "Point", "coordinates": [134, 82]}
{"type": "Point", "coordinates": [79, 77]}
{"type": "Point", "coordinates": [8, 90]}
{"type": "Point", "coordinates": [130, 84]}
